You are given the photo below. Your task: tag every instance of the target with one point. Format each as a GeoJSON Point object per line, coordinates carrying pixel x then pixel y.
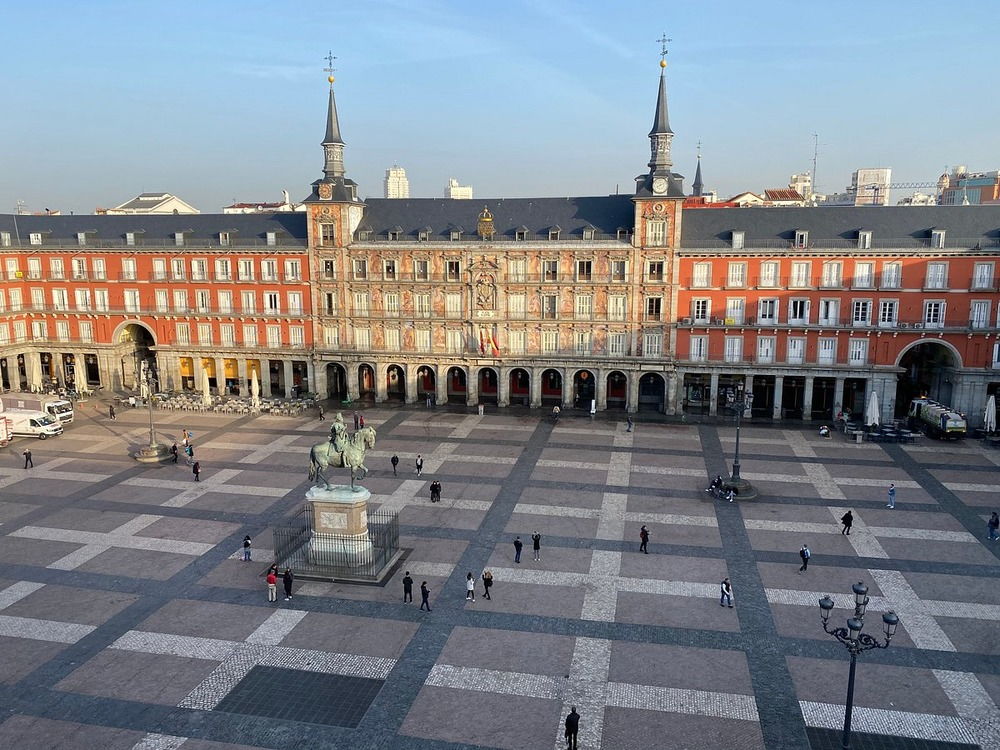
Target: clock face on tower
{"type": "Point", "coordinates": [659, 186]}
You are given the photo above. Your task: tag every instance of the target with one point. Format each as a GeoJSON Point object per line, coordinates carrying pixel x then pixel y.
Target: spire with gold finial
{"type": "Point", "coordinates": [661, 134]}
{"type": "Point", "coordinates": [697, 187]}
{"type": "Point", "coordinates": [333, 144]}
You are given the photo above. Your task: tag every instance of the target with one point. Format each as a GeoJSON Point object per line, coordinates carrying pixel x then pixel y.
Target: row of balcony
{"type": "Point", "coordinates": [139, 310]}
{"type": "Point", "coordinates": [841, 243]}
{"type": "Point", "coordinates": [789, 283]}
{"type": "Point", "coordinates": [163, 277]}
{"type": "Point", "coordinates": [896, 325]}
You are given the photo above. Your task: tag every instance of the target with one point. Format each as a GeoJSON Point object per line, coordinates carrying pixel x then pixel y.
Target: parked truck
{"type": "Point", "coordinates": [32, 423]}
{"type": "Point", "coordinates": [937, 420]}
{"type": "Point", "coordinates": [59, 408]}
{"type": "Point", "coordinates": [6, 431]}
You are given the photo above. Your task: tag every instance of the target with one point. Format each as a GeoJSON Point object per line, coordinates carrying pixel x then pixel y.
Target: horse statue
{"type": "Point", "coordinates": [324, 455]}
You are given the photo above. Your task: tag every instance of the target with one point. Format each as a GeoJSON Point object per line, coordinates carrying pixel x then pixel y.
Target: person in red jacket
{"type": "Point", "coordinates": [272, 586]}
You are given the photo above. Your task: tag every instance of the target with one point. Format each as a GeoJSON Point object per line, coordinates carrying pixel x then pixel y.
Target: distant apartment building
{"type": "Point", "coordinates": [396, 184]}
{"type": "Point", "coordinates": [151, 203]}
{"type": "Point", "coordinates": [869, 187]}
{"type": "Point", "coordinates": [802, 184]}
{"type": "Point", "coordinates": [964, 188]}
{"type": "Point", "coordinates": [457, 192]}
{"type": "Point", "coordinates": [260, 207]}
{"type": "Point", "coordinates": [917, 199]}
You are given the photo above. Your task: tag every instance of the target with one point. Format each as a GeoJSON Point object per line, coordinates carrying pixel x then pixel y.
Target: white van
{"type": "Point", "coordinates": [33, 423]}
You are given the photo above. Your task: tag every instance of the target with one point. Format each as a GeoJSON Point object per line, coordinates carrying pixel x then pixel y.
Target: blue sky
{"type": "Point", "coordinates": [216, 101]}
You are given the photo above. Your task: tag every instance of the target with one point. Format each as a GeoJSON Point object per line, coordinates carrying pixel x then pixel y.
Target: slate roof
{"type": "Point", "coordinates": [605, 214]}
{"type": "Point", "coordinates": [891, 226]}
{"type": "Point", "coordinates": [246, 230]}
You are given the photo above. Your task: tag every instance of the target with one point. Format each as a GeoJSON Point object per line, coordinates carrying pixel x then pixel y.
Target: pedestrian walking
{"type": "Point", "coordinates": [629, 424]}
{"type": "Point", "coordinates": [892, 496]}
{"type": "Point", "coordinates": [643, 540]}
{"type": "Point", "coordinates": [428, 401]}
{"type": "Point", "coordinates": [272, 586]}
{"type": "Point", "coordinates": [572, 728]}
{"type": "Point", "coordinates": [992, 525]}
{"type": "Point", "coordinates": [186, 437]}
{"type": "Point", "coordinates": [28, 463]}
{"type": "Point", "coordinates": [848, 520]}
{"type": "Point", "coordinates": [361, 421]}
{"type": "Point", "coordinates": [536, 546]}
{"type": "Point", "coordinates": [246, 548]}
{"type": "Point", "coordinates": [517, 549]}
{"type": "Point", "coordinates": [420, 465]}
{"type": "Point", "coordinates": [111, 412]}
{"type": "Point", "coordinates": [287, 579]}
{"type": "Point", "coordinates": [424, 593]}
{"type": "Point", "coordinates": [470, 587]}
{"type": "Point", "coordinates": [407, 588]}
{"type": "Point", "coordinates": [726, 593]}
{"type": "Point", "coordinates": [196, 470]}
{"type": "Point", "coordinates": [189, 452]}
{"type": "Point", "coordinates": [322, 416]}
{"type": "Point", "coordinates": [805, 554]}
{"type": "Point", "coordinates": [395, 462]}
{"type": "Point", "coordinates": [487, 583]}
{"type": "Point", "coordinates": [435, 491]}
{"type": "Point", "coordinates": [357, 419]}
{"type": "Point", "coordinates": [173, 451]}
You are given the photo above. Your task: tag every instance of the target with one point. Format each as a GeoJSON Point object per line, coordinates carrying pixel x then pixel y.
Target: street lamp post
{"type": "Point", "coordinates": [741, 400]}
{"type": "Point", "coordinates": [855, 641]}
{"type": "Point", "coordinates": [155, 451]}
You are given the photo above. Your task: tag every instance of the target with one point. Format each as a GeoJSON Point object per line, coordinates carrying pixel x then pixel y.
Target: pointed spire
{"type": "Point", "coordinates": [333, 144]}
{"type": "Point", "coordinates": [697, 186]}
{"type": "Point", "coordinates": [332, 124]}
{"type": "Point", "coordinates": [661, 122]}
{"type": "Point", "coordinates": [661, 135]}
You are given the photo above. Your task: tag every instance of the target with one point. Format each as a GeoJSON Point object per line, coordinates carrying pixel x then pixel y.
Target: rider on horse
{"type": "Point", "coordinates": [338, 435]}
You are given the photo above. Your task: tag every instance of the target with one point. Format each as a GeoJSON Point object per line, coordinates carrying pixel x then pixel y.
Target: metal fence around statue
{"type": "Point", "coordinates": [342, 556]}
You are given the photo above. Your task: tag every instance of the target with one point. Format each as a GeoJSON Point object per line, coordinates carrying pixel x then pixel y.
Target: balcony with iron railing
{"type": "Point", "coordinates": [953, 244]}
{"type": "Point", "coordinates": [192, 244]}
{"type": "Point", "coordinates": [909, 324]}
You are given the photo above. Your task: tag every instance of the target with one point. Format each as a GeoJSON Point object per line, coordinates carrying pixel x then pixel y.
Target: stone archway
{"type": "Point", "coordinates": [928, 370]}
{"type": "Point", "coordinates": [457, 385]}
{"type": "Point", "coordinates": [617, 390]}
{"type": "Point", "coordinates": [366, 382]}
{"type": "Point", "coordinates": [652, 392]}
{"type": "Point", "coordinates": [552, 387]}
{"type": "Point", "coordinates": [426, 383]}
{"type": "Point", "coordinates": [336, 382]}
{"type": "Point", "coordinates": [134, 344]}
{"type": "Point", "coordinates": [584, 389]}
{"type": "Point", "coordinates": [395, 383]}
{"type": "Point", "coordinates": [489, 385]}
{"type": "Point", "coordinates": [520, 387]}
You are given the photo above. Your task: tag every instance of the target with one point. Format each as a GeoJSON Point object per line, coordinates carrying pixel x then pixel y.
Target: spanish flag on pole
{"type": "Point", "coordinates": [493, 343]}
{"type": "Point", "coordinates": [482, 342]}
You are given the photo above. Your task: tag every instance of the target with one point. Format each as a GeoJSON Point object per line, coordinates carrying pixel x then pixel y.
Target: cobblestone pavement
{"type": "Point", "coordinates": [129, 620]}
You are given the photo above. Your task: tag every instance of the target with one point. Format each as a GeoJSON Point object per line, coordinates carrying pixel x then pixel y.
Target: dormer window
{"type": "Point", "coordinates": [864, 239]}
{"type": "Point", "coordinates": [365, 235]}
{"type": "Point", "coordinates": [589, 233]}
{"type": "Point", "coordinates": [272, 238]}
{"type": "Point", "coordinates": [130, 238]}
{"type": "Point", "coordinates": [81, 238]}
{"type": "Point", "coordinates": [4, 239]}
{"type": "Point", "coordinates": [801, 238]}
{"type": "Point", "coordinates": [621, 234]}
{"type": "Point", "coordinates": [738, 240]}
{"type": "Point", "coordinates": [521, 234]}
{"type": "Point", "coordinates": [35, 238]}
{"type": "Point", "coordinates": [179, 239]}
{"type": "Point", "coordinates": [394, 234]}
{"type": "Point", "coordinates": [937, 238]}
{"type": "Point", "coordinates": [554, 233]}
{"type": "Point", "coordinates": [224, 239]}
{"type": "Point", "coordinates": [424, 234]}
{"type": "Point", "coordinates": [455, 234]}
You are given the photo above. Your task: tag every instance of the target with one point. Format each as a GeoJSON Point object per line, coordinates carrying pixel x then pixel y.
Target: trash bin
{"type": "Point", "coordinates": [859, 437]}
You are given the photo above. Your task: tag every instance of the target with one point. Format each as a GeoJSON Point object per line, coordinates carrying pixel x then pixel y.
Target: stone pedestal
{"type": "Point", "coordinates": [153, 454]}
{"type": "Point", "coordinates": [743, 489]}
{"type": "Point", "coordinates": [340, 526]}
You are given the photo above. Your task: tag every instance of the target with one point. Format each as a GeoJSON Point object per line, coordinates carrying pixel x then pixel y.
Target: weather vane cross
{"type": "Point", "coordinates": [329, 63]}
{"type": "Point", "coordinates": [663, 46]}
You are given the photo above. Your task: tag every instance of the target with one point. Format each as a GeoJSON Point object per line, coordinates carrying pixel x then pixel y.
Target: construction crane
{"type": "Point", "coordinates": [876, 189]}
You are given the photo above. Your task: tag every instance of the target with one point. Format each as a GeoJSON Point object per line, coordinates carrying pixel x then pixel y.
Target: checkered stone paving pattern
{"type": "Point", "coordinates": [129, 619]}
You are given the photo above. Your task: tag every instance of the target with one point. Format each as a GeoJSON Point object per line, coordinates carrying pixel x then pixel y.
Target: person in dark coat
{"type": "Point", "coordinates": [518, 545]}
{"type": "Point", "coordinates": [173, 451]}
{"type": "Point", "coordinates": [27, 458]}
{"type": "Point", "coordinates": [435, 491]}
{"type": "Point", "coordinates": [287, 579]}
{"type": "Point", "coordinates": [572, 728]}
{"type": "Point", "coordinates": [643, 540]}
{"type": "Point", "coordinates": [395, 462]}
{"type": "Point", "coordinates": [487, 583]}
{"type": "Point", "coordinates": [424, 593]}
{"type": "Point", "coordinates": [196, 470]}
{"type": "Point", "coordinates": [536, 546]}
{"type": "Point", "coordinates": [407, 588]}
{"type": "Point", "coordinates": [804, 554]}
{"type": "Point", "coordinates": [847, 519]}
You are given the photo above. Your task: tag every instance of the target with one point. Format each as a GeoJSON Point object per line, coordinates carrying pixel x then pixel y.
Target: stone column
{"type": "Point", "coordinates": [220, 375]}
{"type": "Point", "coordinates": [779, 385]}
{"type": "Point", "coordinates": [713, 394]}
{"type": "Point", "coordinates": [670, 394]}
{"type": "Point", "coordinates": [265, 378]}
{"type": "Point", "coordinates": [632, 399]}
{"type": "Point", "coordinates": [381, 384]}
{"type": "Point", "coordinates": [535, 388]}
{"type": "Point", "coordinates": [441, 385]}
{"type": "Point", "coordinates": [601, 390]}
{"type": "Point", "coordinates": [568, 390]}
{"type": "Point", "coordinates": [679, 393]}
{"type": "Point", "coordinates": [838, 396]}
{"type": "Point", "coordinates": [807, 399]}
{"type": "Point", "coordinates": [472, 388]}
{"type": "Point", "coordinates": [410, 397]}
{"type": "Point", "coordinates": [353, 383]}
{"type": "Point", "coordinates": [503, 387]}
{"type": "Point", "coordinates": [241, 374]}
{"type": "Point", "coordinates": [317, 380]}
{"type": "Point", "coordinates": [287, 365]}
